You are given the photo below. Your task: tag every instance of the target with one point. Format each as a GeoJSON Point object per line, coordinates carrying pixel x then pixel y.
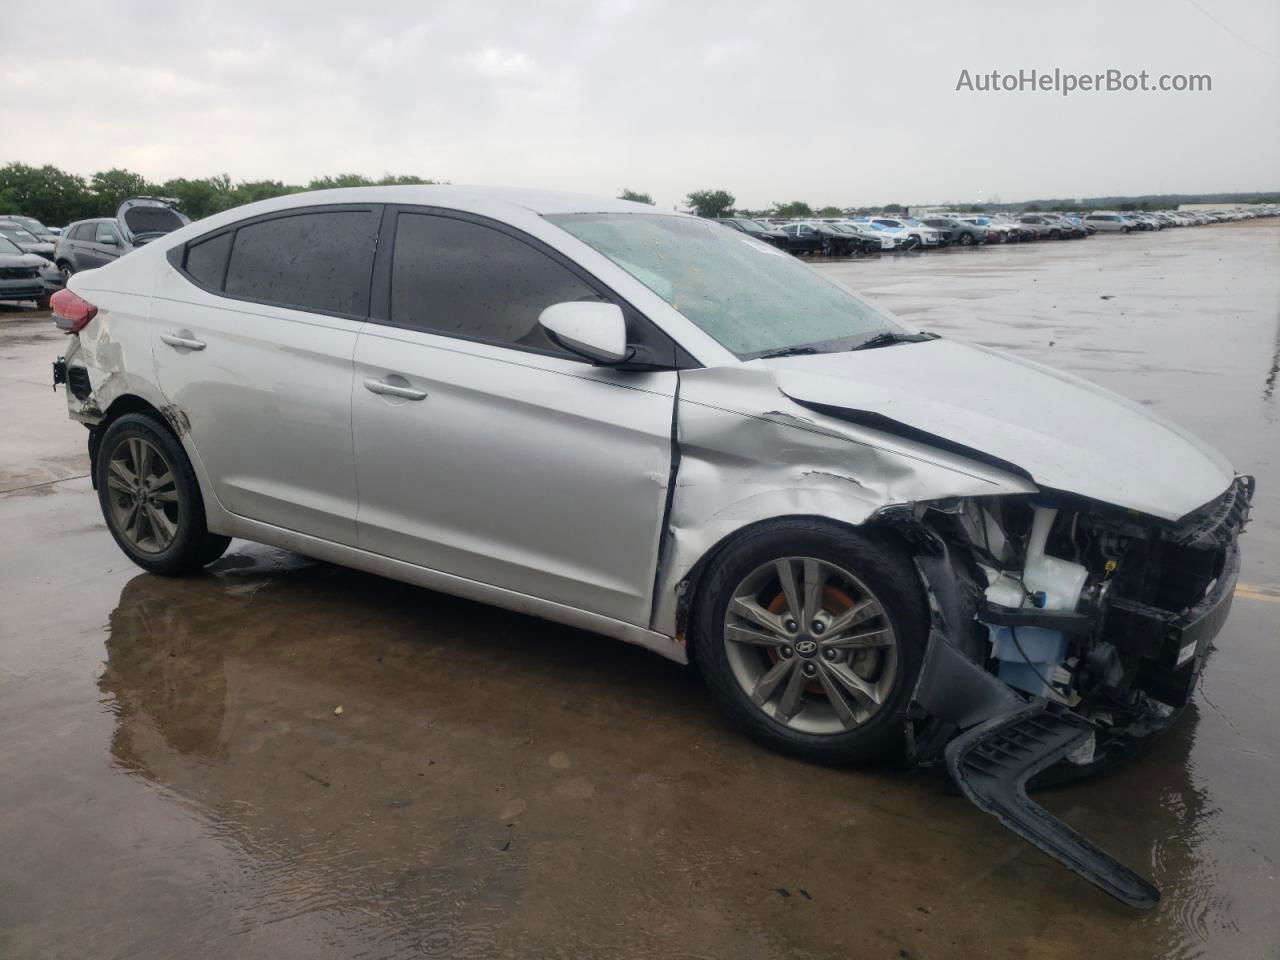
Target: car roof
{"type": "Point", "coordinates": [469, 197]}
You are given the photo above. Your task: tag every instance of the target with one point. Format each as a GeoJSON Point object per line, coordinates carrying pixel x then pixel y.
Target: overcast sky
{"type": "Point", "coordinates": [851, 102]}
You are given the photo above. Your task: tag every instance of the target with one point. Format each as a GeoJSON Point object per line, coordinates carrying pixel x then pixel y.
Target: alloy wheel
{"type": "Point", "coordinates": [810, 645]}
{"type": "Point", "coordinates": [143, 494]}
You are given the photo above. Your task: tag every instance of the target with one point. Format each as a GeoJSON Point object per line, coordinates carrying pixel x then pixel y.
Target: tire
{"type": "Point", "coordinates": [853, 568]}
{"type": "Point", "coordinates": [42, 303]}
{"type": "Point", "coordinates": [1055, 234]}
{"type": "Point", "coordinates": [67, 270]}
{"type": "Point", "coordinates": [966, 239]}
{"type": "Point", "coordinates": [153, 509]}
{"type": "Point", "coordinates": [1124, 229]}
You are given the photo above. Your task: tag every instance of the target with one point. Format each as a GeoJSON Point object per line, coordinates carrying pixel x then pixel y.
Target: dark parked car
{"type": "Point", "coordinates": [26, 276]}
{"type": "Point", "coordinates": [761, 231]}
{"type": "Point", "coordinates": [804, 238]}
{"type": "Point", "coordinates": [94, 243]}
{"type": "Point", "coordinates": [957, 231]}
{"type": "Point", "coordinates": [24, 240]}
{"type": "Point", "coordinates": [32, 226]}
{"type": "Point", "coordinates": [864, 241]}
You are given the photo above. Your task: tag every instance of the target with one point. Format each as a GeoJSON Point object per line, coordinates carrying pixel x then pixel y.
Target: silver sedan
{"type": "Point", "coordinates": [870, 539]}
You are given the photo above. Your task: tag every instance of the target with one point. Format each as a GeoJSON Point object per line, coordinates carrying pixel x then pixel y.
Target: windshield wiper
{"type": "Point", "coordinates": [787, 352]}
{"type": "Point", "coordinates": [889, 338]}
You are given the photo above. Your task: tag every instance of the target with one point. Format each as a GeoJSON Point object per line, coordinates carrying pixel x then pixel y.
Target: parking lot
{"type": "Point", "coordinates": [180, 781]}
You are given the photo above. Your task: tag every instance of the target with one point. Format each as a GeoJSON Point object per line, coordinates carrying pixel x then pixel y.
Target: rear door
{"type": "Point", "coordinates": [255, 332]}
{"type": "Point", "coordinates": [485, 451]}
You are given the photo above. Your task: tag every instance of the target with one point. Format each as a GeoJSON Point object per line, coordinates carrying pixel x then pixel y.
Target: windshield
{"type": "Point", "coordinates": [32, 224]}
{"type": "Point", "coordinates": [8, 246]}
{"type": "Point", "coordinates": [750, 297]}
{"type": "Point", "coordinates": [17, 234]}
{"type": "Point", "coordinates": [750, 226]}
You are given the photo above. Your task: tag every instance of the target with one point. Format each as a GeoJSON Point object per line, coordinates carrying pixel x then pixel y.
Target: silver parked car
{"type": "Point", "coordinates": [871, 540]}
{"type": "Point", "coordinates": [1105, 221]}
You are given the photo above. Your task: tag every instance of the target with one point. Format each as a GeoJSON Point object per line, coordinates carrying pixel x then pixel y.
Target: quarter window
{"type": "Point", "coordinates": [462, 279]}
{"type": "Point", "coordinates": [207, 261]}
{"type": "Point", "coordinates": [318, 261]}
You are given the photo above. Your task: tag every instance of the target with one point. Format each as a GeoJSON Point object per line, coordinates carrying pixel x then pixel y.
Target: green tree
{"type": "Point", "coordinates": [112, 187]}
{"type": "Point", "coordinates": [250, 191]}
{"type": "Point", "coordinates": [399, 180]}
{"type": "Point", "coordinates": [637, 197]}
{"type": "Point", "coordinates": [796, 208]}
{"type": "Point", "coordinates": [711, 203]}
{"type": "Point", "coordinates": [831, 212]}
{"type": "Point", "coordinates": [341, 180]}
{"type": "Point", "coordinates": [52, 196]}
{"type": "Point", "coordinates": [200, 198]}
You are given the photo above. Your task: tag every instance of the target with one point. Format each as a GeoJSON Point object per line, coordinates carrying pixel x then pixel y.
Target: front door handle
{"type": "Point", "coordinates": [401, 390]}
{"type": "Point", "coordinates": [183, 340]}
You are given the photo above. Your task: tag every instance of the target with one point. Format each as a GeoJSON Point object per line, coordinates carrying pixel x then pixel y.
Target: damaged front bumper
{"type": "Point", "coordinates": [996, 740]}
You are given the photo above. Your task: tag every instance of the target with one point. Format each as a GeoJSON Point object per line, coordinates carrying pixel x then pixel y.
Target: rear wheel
{"type": "Point", "coordinates": [966, 239]}
{"type": "Point", "coordinates": [65, 269]}
{"type": "Point", "coordinates": [150, 498]}
{"type": "Point", "coordinates": [810, 638]}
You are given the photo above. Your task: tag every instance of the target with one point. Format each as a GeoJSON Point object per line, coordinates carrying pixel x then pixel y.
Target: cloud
{"type": "Point", "coordinates": [850, 102]}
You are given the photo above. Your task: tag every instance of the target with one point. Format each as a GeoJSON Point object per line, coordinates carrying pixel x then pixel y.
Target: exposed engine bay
{"type": "Point", "coordinates": [1064, 632]}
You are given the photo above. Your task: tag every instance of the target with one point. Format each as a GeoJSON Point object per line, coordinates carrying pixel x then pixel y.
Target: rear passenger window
{"type": "Point", "coordinates": [309, 261]}
{"type": "Point", "coordinates": [207, 261]}
{"type": "Point", "coordinates": [462, 279]}
{"type": "Point", "coordinates": [84, 232]}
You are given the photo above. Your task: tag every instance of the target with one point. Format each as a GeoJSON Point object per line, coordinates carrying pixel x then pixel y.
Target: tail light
{"type": "Point", "coordinates": [71, 313]}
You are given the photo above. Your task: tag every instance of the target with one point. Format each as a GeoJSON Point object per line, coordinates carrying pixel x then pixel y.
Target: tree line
{"type": "Point", "coordinates": [56, 197]}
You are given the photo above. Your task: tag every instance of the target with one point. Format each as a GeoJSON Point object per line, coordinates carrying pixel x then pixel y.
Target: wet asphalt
{"type": "Point", "coordinates": [175, 781]}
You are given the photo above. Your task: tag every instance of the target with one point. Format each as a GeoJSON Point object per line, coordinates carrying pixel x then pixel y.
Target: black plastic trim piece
{"type": "Point", "coordinates": [991, 765]}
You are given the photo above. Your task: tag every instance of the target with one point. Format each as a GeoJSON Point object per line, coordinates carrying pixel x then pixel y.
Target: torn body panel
{"type": "Point", "coordinates": [748, 454]}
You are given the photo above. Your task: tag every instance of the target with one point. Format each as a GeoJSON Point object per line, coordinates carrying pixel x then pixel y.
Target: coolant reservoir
{"type": "Point", "coordinates": [1029, 658]}
{"type": "Point", "coordinates": [1059, 580]}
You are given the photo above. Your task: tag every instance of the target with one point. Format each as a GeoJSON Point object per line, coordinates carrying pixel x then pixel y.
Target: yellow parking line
{"type": "Point", "coordinates": [1257, 593]}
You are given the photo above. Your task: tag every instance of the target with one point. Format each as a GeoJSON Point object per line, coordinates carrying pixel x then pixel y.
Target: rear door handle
{"type": "Point", "coordinates": [403, 391]}
{"type": "Point", "coordinates": [183, 340]}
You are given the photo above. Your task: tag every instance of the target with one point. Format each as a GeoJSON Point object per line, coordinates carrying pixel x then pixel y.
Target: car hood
{"type": "Point", "coordinates": [1064, 432]}
{"type": "Point", "coordinates": [22, 260]}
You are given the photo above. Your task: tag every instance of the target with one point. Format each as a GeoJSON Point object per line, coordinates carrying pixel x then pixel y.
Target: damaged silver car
{"type": "Point", "coordinates": [871, 540]}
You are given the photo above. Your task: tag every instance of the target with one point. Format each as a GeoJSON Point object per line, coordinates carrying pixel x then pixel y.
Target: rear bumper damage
{"type": "Point", "coordinates": [996, 739]}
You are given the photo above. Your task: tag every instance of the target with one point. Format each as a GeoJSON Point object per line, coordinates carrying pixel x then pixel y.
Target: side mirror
{"type": "Point", "coordinates": [109, 240]}
{"type": "Point", "coordinates": [597, 331]}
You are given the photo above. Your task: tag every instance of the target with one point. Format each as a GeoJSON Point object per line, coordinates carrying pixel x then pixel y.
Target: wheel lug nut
{"type": "Point", "coordinates": [791, 626]}
{"type": "Point", "coordinates": [829, 654]}
{"type": "Point", "coordinates": [817, 626]}
{"type": "Point", "coordinates": [810, 669]}
{"type": "Point", "coordinates": [786, 651]}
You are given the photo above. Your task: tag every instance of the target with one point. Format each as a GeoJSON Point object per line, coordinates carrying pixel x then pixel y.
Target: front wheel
{"type": "Point", "coordinates": [810, 637]}
{"type": "Point", "coordinates": [150, 498]}
{"type": "Point", "coordinates": [65, 269]}
{"type": "Point", "coordinates": [1124, 229]}
{"type": "Point", "coordinates": [966, 239]}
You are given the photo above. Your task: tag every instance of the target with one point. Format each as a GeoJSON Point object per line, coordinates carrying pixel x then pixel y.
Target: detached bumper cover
{"type": "Point", "coordinates": [991, 765]}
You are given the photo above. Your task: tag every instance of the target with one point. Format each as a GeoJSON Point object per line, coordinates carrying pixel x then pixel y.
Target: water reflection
{"type": "Point", "coordinates": [495, 780]}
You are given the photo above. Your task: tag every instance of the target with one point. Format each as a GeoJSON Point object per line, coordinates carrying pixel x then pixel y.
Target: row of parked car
{"type": "Point", "coordinates": [35, 260]}
{"type": "Point", "coordinates": [861, 235]}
